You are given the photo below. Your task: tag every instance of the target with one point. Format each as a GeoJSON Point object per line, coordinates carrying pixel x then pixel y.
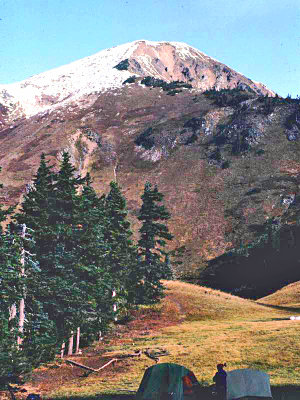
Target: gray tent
{"type": "Point", "coordinates": [248, 383]}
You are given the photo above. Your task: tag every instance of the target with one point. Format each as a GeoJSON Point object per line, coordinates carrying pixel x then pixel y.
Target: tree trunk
{"type": "Point", "coordinates": [22, 301]}
{"type": "Point", "coordinates": [12, 312]}
{"type": "Point", "coordinates": [70, 348]}
{"type": "Point", "coordinates": [62, 350]}
{"type": "Point", "coordinates": [77, 340]}
{"type": "Point", "coordinates": [21, 320]}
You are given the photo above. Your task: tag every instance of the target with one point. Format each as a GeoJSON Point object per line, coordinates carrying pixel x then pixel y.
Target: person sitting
{"type": "Point", "coordinates": [220, 381]}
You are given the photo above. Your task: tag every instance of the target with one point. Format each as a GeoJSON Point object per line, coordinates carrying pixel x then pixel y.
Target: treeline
{"type": "Point", "coordinates": [68, 258]}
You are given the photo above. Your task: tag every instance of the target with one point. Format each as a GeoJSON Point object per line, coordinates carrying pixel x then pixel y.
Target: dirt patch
{"type": "Point", "coordinates": [145, 322]}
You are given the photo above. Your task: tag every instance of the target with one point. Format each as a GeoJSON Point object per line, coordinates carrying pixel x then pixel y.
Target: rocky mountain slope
{"type": "Point", "coordinates": [169, 61]}
{"type": "Point", "coordinates": [224, 154]}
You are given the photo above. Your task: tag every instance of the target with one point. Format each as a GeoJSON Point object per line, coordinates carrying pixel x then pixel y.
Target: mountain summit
{"type": "Point", "coordinates": [226, 160]}
{"type": "Point", "coordinates": [108, 69]}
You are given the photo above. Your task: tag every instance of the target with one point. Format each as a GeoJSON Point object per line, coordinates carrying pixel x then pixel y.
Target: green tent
{"type": "Point", "coordinates": [167, 382]}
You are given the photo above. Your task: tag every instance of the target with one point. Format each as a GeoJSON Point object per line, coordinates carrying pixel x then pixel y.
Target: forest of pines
{"type": "Point", "coordinates": [74, 264]}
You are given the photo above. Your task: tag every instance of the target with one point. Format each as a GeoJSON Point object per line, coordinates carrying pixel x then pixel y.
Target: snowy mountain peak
{"type": "Point", "coordinates": [97, 73]}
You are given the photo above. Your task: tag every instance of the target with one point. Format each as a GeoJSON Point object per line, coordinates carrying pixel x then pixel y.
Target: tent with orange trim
{"type": "Point", "coordinates": [167, 381]}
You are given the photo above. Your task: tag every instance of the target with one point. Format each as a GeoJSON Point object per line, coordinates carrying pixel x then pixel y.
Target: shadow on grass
{"type": "Point", "coordinates": [291, 309]}
{"type": "Point", "coordinates": [271, 319]}
{"type": "Point", "coordinates": [98, 397]}
{"type": "Point", "coordinates": [286, 392]}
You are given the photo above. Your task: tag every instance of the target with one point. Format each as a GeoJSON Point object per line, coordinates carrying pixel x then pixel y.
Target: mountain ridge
{"type": "Point", "coordinates": [225, 159]}
{"type": "Point", "coordinates": [97, 73]}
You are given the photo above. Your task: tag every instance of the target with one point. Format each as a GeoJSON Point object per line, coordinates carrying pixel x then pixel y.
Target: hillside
{"type": "Point", "coordinates": [288, 296]}
{"type": "Point", "coordinates": [198, 327]}
{"type": "Point", "coordinates": [224, 155]}
{"type": "Point", "coordinates": [264, 265]}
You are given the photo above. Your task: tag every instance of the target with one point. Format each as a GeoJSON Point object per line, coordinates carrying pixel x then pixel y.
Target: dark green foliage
{"type": "Point", "coordinates": [194, 123]}
{"type": "Point", "coordinates": [11, 359]}
{"type": "Point", "coordinates": [145, 139]}
{"type": "Point", "coordinates": [123, 65]}
{"type": "Point", "coordinates": [131, 79]}
{"type": "Point", "coordinates": [11, 289]}
{"type": "Point", "coordinates": [225, 164]}
{"type": "Point", "coordinates": [229, 97]}
{"type": "Point", "coordinates": [122, 258]}
{"type": "Point", "coordinates": [14, 286]}
{"type": "Point", "coordinates": [269, 103]}
{"type": "Point", "coordinates": [237, 135]}
{"type": "Point", "coordinates": [173, 92]}
{"type": "Point", "coordinates": [92, 251]}
{"type": "Point", "coordinates": [67, 279]}
{"type": "Point", "coordinates": [293, 120]}
{"type": "Point", "coordinates": [78, 251]}
{"type": "Point", "coordinates": [152, 242]}
{"type": "Point", "coordinates": [149, 81]}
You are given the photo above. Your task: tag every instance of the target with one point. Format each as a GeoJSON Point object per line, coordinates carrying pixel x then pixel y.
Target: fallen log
{"type": "Point", "coordinates": [80, 365]}
{"type": "Point", "coordinates": [89, 368]}
{"type": "Point", "coordinates": [136, 354]}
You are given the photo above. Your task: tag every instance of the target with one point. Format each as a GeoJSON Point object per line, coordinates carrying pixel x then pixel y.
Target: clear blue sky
{"type": "Point", "coordinates": [259, 38]}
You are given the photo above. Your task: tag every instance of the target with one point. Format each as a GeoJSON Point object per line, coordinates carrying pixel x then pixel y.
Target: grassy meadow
{"type": "Point", "coordinates": [198, 327]}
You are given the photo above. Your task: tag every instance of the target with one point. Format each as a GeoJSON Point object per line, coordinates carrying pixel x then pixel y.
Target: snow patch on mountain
{"type": "Point", "coordinates": [90, 74]}
{"type": "Point", "coordinates": [73, 82]}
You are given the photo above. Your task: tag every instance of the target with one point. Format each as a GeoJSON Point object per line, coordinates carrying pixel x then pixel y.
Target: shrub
{"type": "Point", "coordinates": [145, 139]}
{"type": "Point", "coordinates": [131, 79]}
{"type": "Point", "coordinates": [149, 81]}
{"type": "Point", "coordinates": [228, 97]}
{"type": "Point", "coordinates": [123, 65]}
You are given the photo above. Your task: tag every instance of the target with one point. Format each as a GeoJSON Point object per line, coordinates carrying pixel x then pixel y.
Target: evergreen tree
{"type": "Point", "coordinates": [123, 256]}
{"type": "Point", "coordinates": [16, 359]}
{"type": "Point", "coordinates": [49, 209]}
{"type": "Point", "coordinates": [11, 293]}
{"type": "Point", "coordinates": [10, 289]}
{"type": "Point", "coordinates": [93, 251]}
{"type": "Point", "coordinates": [74, 286]}
{"type": "Point", "coordinates": [152, 242]}
{"type": "Point", "coordinates": [36, 209]}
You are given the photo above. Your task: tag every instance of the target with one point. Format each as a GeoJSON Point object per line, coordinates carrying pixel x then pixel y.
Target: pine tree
{"type": "Point", "coordinates": [123, 256]}
{"type": "Point", "coordinates": [74, 285]}
{"type": "Point", "coordinates": [36, 209]}
{"type": "Point", "coordinates": [15, 359]}
{"type": "Point", "coordinates": [64, 295]}
{"type": "Point", "coordinates": [49, 210]}
{"type": "Point", "coordinates": [152, 242]}
{"type": "Point", "coordinates": [10, 289]}
{"type": "Point", "coordinates": [93, 251]}
{"type": "Point", "coordinates": [11, 293]}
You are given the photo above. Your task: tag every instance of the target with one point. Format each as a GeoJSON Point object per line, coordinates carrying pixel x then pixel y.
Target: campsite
{"type": "Point", "coordinates": [195, 327]}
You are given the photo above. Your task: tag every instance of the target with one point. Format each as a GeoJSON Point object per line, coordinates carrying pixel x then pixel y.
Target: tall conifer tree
{"type": "Point", "coordinates": [93, 251]}
{"type": "Point", "coordinates": [152, 242]}
{"type": "Point", "coordinates": [123, 256]}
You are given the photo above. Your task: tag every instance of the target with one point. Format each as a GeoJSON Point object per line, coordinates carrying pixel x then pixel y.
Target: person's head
{"type": "Point", "coordinates": [221, 366]}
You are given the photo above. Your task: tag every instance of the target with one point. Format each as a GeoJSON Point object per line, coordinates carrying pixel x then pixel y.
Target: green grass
{"type": "Point", "coordinates": [216, 327]}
